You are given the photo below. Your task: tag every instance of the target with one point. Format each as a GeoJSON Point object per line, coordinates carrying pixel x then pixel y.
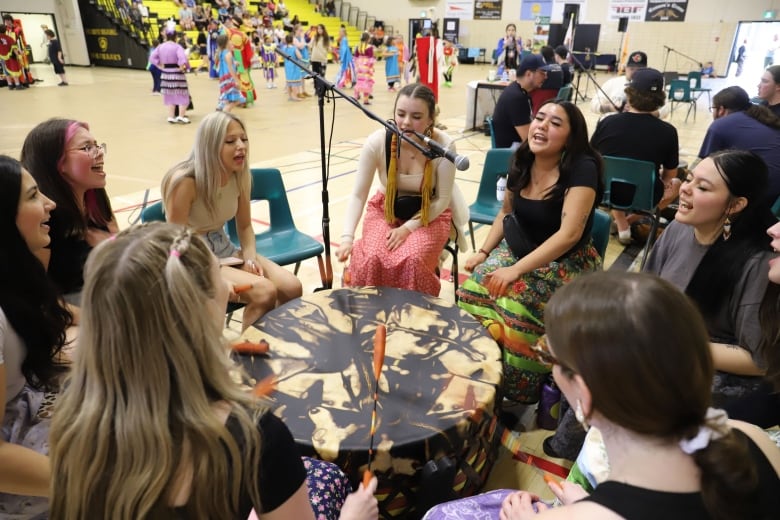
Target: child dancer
{"type": "Point", "coordinates": [291, 71]}
{"type": "Point", "coordinates": [346, 77]}
{"type": "Point", "coordinates": [450, 61]}
{"type": "Point", "coordinates": [229, 93]}
{"type": "Point", "coordinates": [364, 64]}
{"type": "Point", "coordinates": [268, 57]}
{"type": "Point", "coordinates": [392, 73]}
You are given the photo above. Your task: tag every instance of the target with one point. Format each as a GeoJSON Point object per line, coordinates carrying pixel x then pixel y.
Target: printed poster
{"type": "Point", "coordinates": [634, 10]}
{"type": "Point", "coordinates": [484, 10]}
{"type": "Point", "coordinates": [462, 9]}
{"type": "Point", "coordinates": [530, 10]}
{"type": "Point", "coordinates": [658, 11]}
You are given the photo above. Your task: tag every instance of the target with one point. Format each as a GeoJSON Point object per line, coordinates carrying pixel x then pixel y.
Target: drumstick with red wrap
{"type": "Point", "coordinates": [380, 339]}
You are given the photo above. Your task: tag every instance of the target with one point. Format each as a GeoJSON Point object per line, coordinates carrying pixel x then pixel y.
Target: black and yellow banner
{"type": "Point", "coordinates": [487, 10]}
{"type": "Point", "coordinates": [107, 44]}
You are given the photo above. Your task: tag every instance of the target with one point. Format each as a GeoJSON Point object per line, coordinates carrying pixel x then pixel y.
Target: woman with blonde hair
{"type": "Point", "coordinates": [213, 186]}
{"type": "Point", "coordinates": [153, 423]}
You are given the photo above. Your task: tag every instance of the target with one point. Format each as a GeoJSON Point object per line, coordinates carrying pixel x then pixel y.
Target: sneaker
{"type": "Point", "coordinates": [11, 87]}
{"type": "Point", "coordinates": [62, 84]}
{"type": "Point", "coordinates": [624, 237]}
{"type": "Point", "coordinates": [172, 120]}
{"type": "Point", "coordinates": [183, 119]}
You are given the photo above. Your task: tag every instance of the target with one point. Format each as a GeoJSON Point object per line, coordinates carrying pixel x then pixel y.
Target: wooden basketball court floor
{"type": "Point", "coordinates": [119, 107]}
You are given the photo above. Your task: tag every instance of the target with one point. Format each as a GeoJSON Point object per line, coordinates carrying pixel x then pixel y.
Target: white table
{"type": "Point", "coordinates": [481, 97]}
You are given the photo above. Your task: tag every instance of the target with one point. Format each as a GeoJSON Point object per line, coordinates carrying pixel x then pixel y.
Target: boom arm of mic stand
{"type": "Point", "coordinates": [669, 49]}
{"type": "Point", "coordinates": [333, 88]}
{"type": "Point", "coordinates": [590, 77]}
{"type": "Point", "coordinates": [322, 86]}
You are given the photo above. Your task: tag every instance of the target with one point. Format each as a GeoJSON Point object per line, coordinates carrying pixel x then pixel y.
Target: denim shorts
{"type": "Point", "coordinates": [220, 244]}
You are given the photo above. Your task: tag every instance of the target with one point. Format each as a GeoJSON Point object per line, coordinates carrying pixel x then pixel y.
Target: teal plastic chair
{"type": "Point", "coordinates": [600, 231]}
{"type": "Point", "coordinates": [680, 93]}
{"type": "Point", "coordinates": [694, 80]}
{"type": "Point", "coordinates": [629, 186]}
{"type": "Point", "coordinates": [564, 93]}
{"type": "Point", "coordinates": [153, 213]}
{"type": "Point", "coordinates": [776, 207]}
{"type": "Point", "coordinates": [486, 207]}
{"type": "Point", "coordinates": [489, 120]}
{"type": "Point", "coordinates": [282, 243]}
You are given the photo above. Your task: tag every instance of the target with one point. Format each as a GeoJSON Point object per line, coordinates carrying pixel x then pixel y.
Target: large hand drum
{"type": "Point", "coordinates": [437, 389]}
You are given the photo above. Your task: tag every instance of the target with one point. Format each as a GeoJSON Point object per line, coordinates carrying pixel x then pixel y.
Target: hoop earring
{"type": "Point", "coordinates": [580, 416]}
{"type": "Point", "coordinates": [726, 229]}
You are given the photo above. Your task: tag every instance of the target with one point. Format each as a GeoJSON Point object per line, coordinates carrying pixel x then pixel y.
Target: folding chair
{"type": "Point", "coordinates": [486, 207]}
{"type": "Point", "coordinates": [629, 186]}
{"type": "Point", "coordinates": [282, 243]}
{"type": "Point", "coordinates": [153, 213]}
{"type": "Point", "coordinates": [600, 231]}
{"type": "Point", "coordinates": [564, 93]}
{"type": "Point", "coordinates": [680, 92]}
{"type": "Point", "coordinates": [694, 80]}
{"type": "Point", "coordinates": [452, 248]}
{"type": "Point", "coordinates": [489, 120]}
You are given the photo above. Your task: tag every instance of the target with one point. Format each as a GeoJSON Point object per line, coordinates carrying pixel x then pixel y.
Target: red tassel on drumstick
{"type": "Point", "coordinates": [379, 359]}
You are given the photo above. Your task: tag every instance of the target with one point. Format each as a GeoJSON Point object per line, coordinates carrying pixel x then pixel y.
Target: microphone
{"type": "Point", "coordinates": [461, 162]}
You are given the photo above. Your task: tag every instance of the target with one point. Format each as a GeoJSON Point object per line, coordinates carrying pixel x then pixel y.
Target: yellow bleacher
{"type": "Point", "coordinates": [165, 9]}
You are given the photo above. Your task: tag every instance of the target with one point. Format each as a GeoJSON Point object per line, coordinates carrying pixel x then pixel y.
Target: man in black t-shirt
{"type": "Point", "coordinates": [512, 115]}
{"type": "Point", "coordinates": [637, 133]}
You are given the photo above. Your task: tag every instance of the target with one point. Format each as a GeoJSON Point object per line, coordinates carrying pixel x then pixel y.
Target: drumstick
{"type": "Point", "coordinates": [238, 289]}
{"type": "Point", "coordinates": [380, 339]}
{"type": "Point", "coordinates": [265, 386]}
{"type": "Point", "coordinates": [247, 347]}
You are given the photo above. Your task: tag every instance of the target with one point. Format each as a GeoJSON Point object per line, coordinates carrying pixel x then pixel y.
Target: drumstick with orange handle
{"type": "Point", "coordinates": [238, 289]}
{"type": "Point", "coordinates": [248, 347]}
{"type": "Point", "coordinates": [380, 339]}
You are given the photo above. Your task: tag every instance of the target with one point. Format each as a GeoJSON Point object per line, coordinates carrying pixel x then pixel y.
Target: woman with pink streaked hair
{"type": "Point", "coordinates": [67, 163]}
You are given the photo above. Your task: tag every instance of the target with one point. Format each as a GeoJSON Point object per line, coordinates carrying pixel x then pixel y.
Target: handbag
{"type": "Point", "coordinates": [407, 206]}
{"type": "Point", "coordinates": [516, 237]}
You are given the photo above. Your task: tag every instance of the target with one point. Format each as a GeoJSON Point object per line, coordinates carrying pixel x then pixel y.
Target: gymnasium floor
{"type": "Point", "coordinates": [121, 112]}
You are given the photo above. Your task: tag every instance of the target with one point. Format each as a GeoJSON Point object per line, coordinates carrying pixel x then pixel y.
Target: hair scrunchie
{"type": "Point", "coordinates": [714, 428]}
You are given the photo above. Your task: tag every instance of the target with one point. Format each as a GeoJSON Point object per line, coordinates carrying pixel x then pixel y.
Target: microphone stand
{"type": "Point", "coordinates": [323, 89]}
{"type": "Point", "coordinates": [669, 50]}
{"type": "Point", "coordinates": [591, 78]}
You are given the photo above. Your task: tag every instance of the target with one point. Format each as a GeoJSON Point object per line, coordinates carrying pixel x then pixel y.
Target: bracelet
{"type": "Point", "coordinates": [480, 250]}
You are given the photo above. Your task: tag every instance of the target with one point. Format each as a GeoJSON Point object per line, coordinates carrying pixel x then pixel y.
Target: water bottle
{"type": "Point", "coordinates": [549, 406]}
{"type": "Point", "coordinates": [505, 75]}
{"type": "Point", "coordinates": [500, 188]}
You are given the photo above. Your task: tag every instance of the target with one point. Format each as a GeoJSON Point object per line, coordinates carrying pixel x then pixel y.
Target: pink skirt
{"type": "Point", "coordinates": [411, 266]}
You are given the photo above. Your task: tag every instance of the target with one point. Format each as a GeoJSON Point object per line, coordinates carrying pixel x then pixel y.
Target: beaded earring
{"type": "Point", "coordinates": [580, 416]}
{"type": "Point", "coordinates": [727, 229]}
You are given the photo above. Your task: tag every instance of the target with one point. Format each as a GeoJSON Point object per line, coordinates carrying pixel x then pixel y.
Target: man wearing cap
{"type": "Point", "coordinates": [512, 115]}
{"type": "Point", "coordinates": [615, 87]}
{"type": "Point", "coordinates": [637, 133]}
{"type": "Point", "coordinates": [739, 124]}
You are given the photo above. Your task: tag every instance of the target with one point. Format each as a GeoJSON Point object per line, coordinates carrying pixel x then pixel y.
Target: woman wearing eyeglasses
{"type": "Point", "coordinates": [67, 163]}
{"type": "Point", "coordinates": [632, 354]}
